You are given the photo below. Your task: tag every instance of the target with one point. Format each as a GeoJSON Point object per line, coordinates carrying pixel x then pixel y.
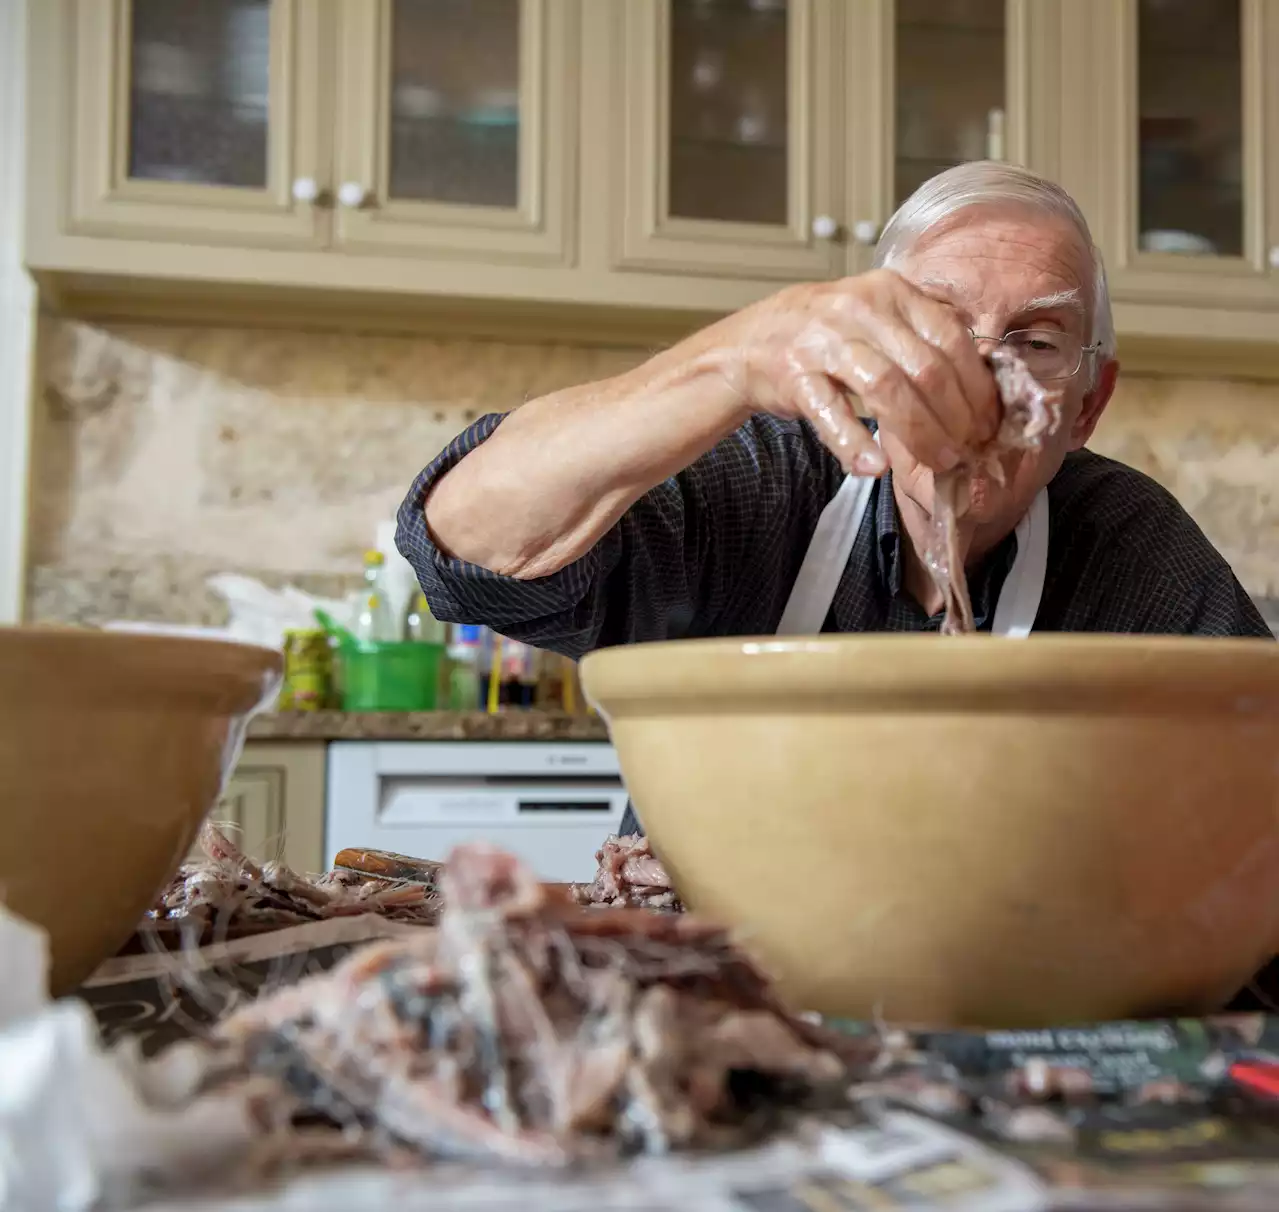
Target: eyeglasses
{"type": "Point", "coordinates": [1047, 353]}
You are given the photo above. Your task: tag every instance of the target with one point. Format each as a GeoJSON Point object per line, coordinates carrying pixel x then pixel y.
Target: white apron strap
{"type": "Point", "coordinates": [1019, 601]}
{"type": "Point", "coordinates": [829, 550]}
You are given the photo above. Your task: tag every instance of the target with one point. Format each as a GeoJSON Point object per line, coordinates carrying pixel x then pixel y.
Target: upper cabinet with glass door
{"type": "Point", "coordinates": [727, 162]}
{"type": "Point", "coordinates": [194, 122]}
{"type": "Point", "coordinates": [944, 116]}
{"type": "Point", "coordinates": [455, 132]}
{"type": "Point", "coordinates": [948, 81]}
{"type": "Point", "coordinates": [1187, 163]}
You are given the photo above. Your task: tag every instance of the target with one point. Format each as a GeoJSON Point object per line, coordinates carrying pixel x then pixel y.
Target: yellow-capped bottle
{"type": "Point", "coordinates": [373, 618]}
{"type": "Point", "coordinates": [420, 625]}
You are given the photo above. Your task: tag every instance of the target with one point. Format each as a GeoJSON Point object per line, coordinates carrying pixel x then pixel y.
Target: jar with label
{"type": "Point", "coordinates": [308, 671]}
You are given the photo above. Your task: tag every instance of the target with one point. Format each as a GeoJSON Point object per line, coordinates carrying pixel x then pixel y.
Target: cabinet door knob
{"type": "Point", "coordinates": [866, 232]}
{"type": "Point", "coordinates": [1273, 257]}
{"type": "Point", "coordinates": [305, 189]}
{"type": "Point", "coordinates": [352, 194]}
{"type": "Point", "coordinates": [824, 227]}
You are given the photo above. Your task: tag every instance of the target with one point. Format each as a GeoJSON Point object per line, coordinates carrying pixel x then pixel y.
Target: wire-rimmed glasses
{"type": "Point", "coordinates": [1048, 353]}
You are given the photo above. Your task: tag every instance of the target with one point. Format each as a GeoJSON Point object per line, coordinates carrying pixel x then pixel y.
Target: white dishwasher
{"type": "Point", "coordinates": [551, 803]}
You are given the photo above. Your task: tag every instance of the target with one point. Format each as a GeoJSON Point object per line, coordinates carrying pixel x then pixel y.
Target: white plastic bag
{"type": "Point", "coordinates": [260, 615]}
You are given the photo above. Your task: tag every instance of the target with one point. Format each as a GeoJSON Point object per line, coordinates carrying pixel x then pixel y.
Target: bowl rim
{"type": "Point", "coordinates": [221, 674]}
{"type": "Point", "coordinates": [878, 671]}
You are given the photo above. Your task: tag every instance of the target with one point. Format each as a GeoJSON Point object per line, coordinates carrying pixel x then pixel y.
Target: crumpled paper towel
{"type": "Point", "coordinates": [260, 615]}
{"type": "Point", "coordinates": [80, 1126]}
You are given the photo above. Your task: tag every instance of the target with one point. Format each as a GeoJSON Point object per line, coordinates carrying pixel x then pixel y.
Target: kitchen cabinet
{"type": "Point", "coordinates": [454, 133]}
{"type": "Point", "coordinates": [1179, 176]}
{"type": "Point", "coordinates": [766, 139]}
{"type": "Point", "coordinates": [729, 160]}
{"type": "Point", "coordinates": [312, 147]}
{"type": "Point", "coordinates": [678, 155]}
{"type": "Point", "coordinates": [187, 121]}
{"type": "Point", "coordinates": [275, 802]}
{"type": "Point", "coordinates": [630, 169]}
{"type": "Point", "coordinates": [430, 127]}
{"type": "Point", "coordinates": [935, 83]}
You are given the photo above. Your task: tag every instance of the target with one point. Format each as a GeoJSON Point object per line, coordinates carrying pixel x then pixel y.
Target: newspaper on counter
{"type": "Point", "coordinates": [1163, 1113]}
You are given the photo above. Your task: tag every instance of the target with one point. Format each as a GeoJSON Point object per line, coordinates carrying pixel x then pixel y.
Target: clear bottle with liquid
{"type": "Point", "coordinates": [372, 619]}
{"type": "Point", "coordinates": [420, 625]}
{"type": "Point", "coordinates": [466, 645]}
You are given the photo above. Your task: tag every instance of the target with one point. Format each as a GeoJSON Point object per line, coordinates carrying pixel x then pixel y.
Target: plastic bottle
{"type": "Point", "coordinates": [372, 619]}
{"type": "Point", "coordinates": [420, 625]}
{"type": "Point", "coordinates": [465, 688]}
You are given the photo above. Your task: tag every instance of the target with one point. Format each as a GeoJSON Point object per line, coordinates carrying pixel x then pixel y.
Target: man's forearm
{"type": "Point", "coordinates": [562, 469]}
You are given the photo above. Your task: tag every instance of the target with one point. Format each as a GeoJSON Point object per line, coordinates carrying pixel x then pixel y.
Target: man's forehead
{"type": "Point", "coordinates": [973, 258]}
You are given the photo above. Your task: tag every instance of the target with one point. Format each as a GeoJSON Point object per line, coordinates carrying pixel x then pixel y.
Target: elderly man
{"type": "Point", "coordinates": [728, 486]}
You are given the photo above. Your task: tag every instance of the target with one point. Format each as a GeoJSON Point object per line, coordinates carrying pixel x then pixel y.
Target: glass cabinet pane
{"type": "Point", "coordinates": [1190, 138]}
{"type": "Point", "coordinates": [199, 84]}
{"type": "Point", "coordinates": [950, 73]}
{"type": "Point", "coordinates": [728, 136]}
{"type": "Point", "coordinates": [455, 101]}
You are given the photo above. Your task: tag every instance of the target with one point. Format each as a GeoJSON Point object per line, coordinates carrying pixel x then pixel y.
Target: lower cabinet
{"type": "Point", "coordinates": [274, 803]}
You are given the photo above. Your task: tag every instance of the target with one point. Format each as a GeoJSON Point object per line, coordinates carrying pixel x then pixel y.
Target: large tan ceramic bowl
{"type": "Point", "coordinates": [972, 831]}
{"type": "Point", "coordinates": [112, 749]}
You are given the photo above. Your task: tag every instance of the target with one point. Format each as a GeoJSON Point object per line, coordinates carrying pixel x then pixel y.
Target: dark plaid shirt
{"type": "Point", "coordinates": [715, 551]}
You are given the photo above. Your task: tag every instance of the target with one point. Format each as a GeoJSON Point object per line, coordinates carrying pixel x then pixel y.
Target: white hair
{"type": "Point", "coordinates": [991, 183]}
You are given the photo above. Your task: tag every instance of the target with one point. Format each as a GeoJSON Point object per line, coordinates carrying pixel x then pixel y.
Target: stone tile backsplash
{"type": "Point", "coordinates": [1213, 444]}
{"type": "Point", "coordinates": [163, 455]}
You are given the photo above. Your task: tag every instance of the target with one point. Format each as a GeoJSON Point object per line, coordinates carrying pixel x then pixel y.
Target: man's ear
{"type": "Point", "coordinates": [1094, 402]}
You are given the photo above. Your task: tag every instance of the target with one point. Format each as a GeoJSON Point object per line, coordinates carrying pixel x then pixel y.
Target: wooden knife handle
{"type": "Point", "coordinates": [385, 865]}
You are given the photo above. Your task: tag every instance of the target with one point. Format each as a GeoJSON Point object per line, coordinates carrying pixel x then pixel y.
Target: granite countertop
{"type": "Point", "coordinates": [509, 725]}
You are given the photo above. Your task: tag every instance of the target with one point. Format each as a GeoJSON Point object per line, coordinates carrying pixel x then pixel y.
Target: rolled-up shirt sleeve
{"type": "Point", "coordinates": [460, 592]}
{"type": "Point", "coordinates": [686, 559]}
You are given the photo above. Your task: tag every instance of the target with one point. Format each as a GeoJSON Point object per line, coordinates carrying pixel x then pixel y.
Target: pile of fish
{"type": "Point", "coordinates": [527, 1030]}
{"type": "Point", "coordinates": [1030, 415]}
{"type": "Point", "coordinates": [629, 874]}
{"type": "Point", "coordinates": [225, 895]}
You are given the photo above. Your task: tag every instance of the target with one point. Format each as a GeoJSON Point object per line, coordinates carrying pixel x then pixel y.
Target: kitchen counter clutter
{"type": "Point", "coordinates": [1163, 1114]}
{"type": "Point", "coordinates": [515, 725]}
{"type": "Point", "coordinates": [501, 1045]}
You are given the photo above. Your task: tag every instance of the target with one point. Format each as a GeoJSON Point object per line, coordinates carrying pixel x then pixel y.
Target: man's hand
{"type": "Point", "coordinates": [808, 350]}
